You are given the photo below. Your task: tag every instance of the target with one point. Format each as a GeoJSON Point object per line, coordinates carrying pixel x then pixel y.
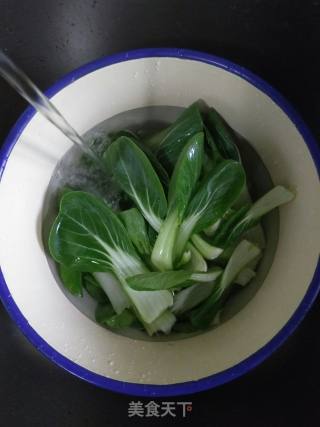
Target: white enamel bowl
{"type": "Point", "coordinates": [59, 330]}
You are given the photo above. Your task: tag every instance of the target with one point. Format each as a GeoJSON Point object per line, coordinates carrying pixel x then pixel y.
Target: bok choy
{"type": "Point", "coordinates": [185, 234]}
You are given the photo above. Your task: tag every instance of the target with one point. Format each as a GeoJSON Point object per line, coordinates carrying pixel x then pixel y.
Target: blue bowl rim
{"type": "Point", "coordinates": [152, 390]}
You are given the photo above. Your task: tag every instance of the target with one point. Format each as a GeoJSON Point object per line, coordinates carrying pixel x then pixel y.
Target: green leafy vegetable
{"type": "Point", "coordinates": [182, 184]}
{"type": "Point", "coordinates": [244, 277]}
{"type": "Point", "coordinates": [185, 259]}
{"type": "Point", "coordinates": [215, 153]}
{"type": "Point", "coordinates": [163, 323]}
{"type": "Point", "coordinates": [107, 317]}
{"type": "Point", "coordinates": [169, 257]}
{"type": "Point", "coordinates": [87, 235]}
{"type": "Point", "coordinates": [197, 263]}
{"type": "Point", "coordinates": [209, 231]}
{"type": "Point", "coordinates": [160, 170]}
{"type": "Point", "coordinates": [71, 279]}
{"type": "Point", "coordinates": [206, 250]}
{"type": "Point", "coordinates": [171, 141]}
{"type": "Point", "coordinates": [227, 224]}
{"type": "Point", "coordinates": [208, 276]}
{"type": "Point", "coordinates": [244, 253]}
{"type": "Point", "coordinates": [154, 281]}
{"type": "Point", "coordinates": [135, 175]}
{"type": "Point", "coordinates": [114, 290]}
{"type": "Point", "coordinates": [223, 135]}
{"type": "Point", "coordinates": [137, 230]}
{"type": "Point", "coordinates": [274, 198]}
{"type": "Point", "coordinates": [186, 174]}
{"type": "Point", "coordinates": [189, 298]}
{"type": "Point", "coordinates": [216, 194]}
{"type": "Point", "coordinates": [93, 288]}
{"type": "Point", "coordinates": [157, 281]}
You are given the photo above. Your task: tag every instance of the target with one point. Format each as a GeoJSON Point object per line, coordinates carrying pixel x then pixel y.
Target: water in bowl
{"type": "Point", "coordinates": [77, 171]}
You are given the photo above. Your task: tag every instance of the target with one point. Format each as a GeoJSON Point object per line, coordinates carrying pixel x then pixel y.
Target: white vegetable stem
{"type": "Point", "coordinates": [207, 251]}
{"type": "Point", "coordinates": [243, 254]}
{"type": "Point", "coordinates": [112, 287]}
{"type": "Point", "coordinates": [275, 197]}
{"type": "Point", "coordinates": [190, 297]}
{"type": "Point", "coordinates": [244, 277]}
{"type": "Point", "coordinates": [209, 276]}
{"type": "Point", "coordinates": [162, 254]}
{"type": "Point", "coordinates": [163, 323]}
{"type": "Point", "coordinates": [197, 263]}
{"type": "Point", "coordinates": [209, 231]}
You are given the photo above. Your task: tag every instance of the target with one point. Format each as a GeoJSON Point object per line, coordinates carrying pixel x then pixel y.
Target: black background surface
{"type": "Point", "coordinates": [278, 40]}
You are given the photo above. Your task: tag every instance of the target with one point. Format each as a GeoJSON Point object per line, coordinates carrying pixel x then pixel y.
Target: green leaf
{"type": "Point", "coordinates": [227, 225]}
{"type": "Point", "coordinates": [185, 175]}
{"type": "Point", "coordinates": [274, 198]}
{"type": "Point", "coordinates": [107, 317]}
{"type": "Point", "coordinates": [103, 311]}
{"type": "Point", "coordinates": [215, 196]}
{"type": "Point", "coordinates": [158, 281]}
{"type": "Point", "coordinates": [160, 170]}
{"type": "Point", "coordinates": [190, 297]}
{"type": "Point", "coordinates": [71, 280]}
{"type": "Point", "coordinates": [208, 165]}
{"type": "Point", "coordinates": [155, 281]}
{"type": "Point", "coordinates": [152, 234]}
{"type": "Point", "coordinates": [213, 228]}
{"type": "Point", "coordinates": [182, 184]}
{"type": "Point", "coordinates": [244, 253]}
{"type": "Point", "coordinates": [172, 140]}
{"type": "Point", "coordinates": [202, 316]}
{"type": "Point", "coordinates": [93, 288]}
{"type": "Point", "coordinates": [223, 135]}
{"type": "Point", "coordinates": [137, 230]}
{"type": "Point", "coordinates": [64, 190]}
{"type": "Point", "coordinates": [157, 166]}
{"type": "Point", "coordinates": [134, 173]}
{"type": "Point", "coordinates": [215, 153]}
{"type": "Point", "coordinates": [89, 237]}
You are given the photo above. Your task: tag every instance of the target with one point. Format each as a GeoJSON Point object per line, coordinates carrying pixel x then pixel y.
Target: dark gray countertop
{"type": "Point", "coordinates": [279, 40]}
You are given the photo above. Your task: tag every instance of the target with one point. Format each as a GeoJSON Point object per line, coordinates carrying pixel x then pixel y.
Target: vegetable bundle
{"type": "Point", "coordinates": [169, 261]}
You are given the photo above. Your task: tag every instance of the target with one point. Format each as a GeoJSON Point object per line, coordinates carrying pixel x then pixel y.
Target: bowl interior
{"type": "Point", "coordinates": [71, 172]}
{"type": "Point", "coordinates": [104, 91]}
